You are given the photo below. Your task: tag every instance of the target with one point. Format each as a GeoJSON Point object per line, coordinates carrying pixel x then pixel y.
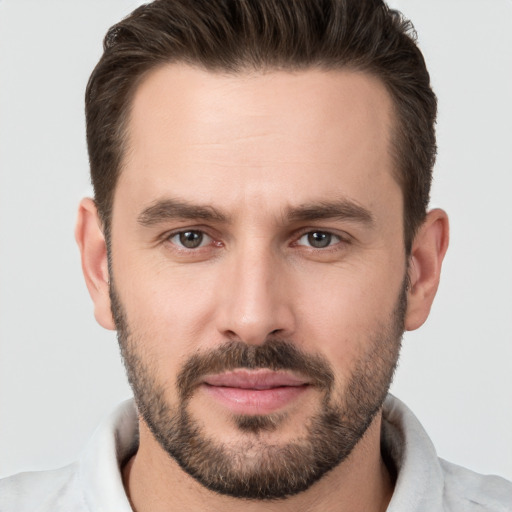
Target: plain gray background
{"type": "Point", "coordinates": [60, 372]}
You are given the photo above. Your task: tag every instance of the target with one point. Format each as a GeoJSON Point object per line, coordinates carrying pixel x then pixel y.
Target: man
{"type": "Point", "coordinates": [259, 239]}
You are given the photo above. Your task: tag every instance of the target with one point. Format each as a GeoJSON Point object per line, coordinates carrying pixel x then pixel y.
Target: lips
{"type": "Point", "coordinates": [254, 391]}
{"type": "Point", "coordinates": [255, 379]}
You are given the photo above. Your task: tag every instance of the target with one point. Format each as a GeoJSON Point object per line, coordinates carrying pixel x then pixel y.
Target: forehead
{"type": "Point", "coordinates": [270, 136]}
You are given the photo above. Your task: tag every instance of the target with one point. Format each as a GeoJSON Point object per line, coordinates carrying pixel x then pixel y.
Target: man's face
{"type": "Point", "coordinates": [258, 270]}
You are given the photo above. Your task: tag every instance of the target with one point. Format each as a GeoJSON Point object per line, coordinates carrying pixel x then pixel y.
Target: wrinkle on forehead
{"type": "Point", "coordinates": [194, 104]}
{"type": "Point", "coordinates": [260, 141]}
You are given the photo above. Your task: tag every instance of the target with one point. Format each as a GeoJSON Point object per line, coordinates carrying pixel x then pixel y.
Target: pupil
{"type": "Point", "coordinates": [319, 239]}
{"type": "Point", "coordinates": [191, 239]}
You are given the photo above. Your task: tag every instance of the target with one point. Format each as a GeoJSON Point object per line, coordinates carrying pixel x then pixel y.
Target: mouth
{"type": "Point", "coordinates": [254, 392]}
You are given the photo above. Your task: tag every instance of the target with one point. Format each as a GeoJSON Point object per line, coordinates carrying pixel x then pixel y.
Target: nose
{"type": "Point", "coordinates": [255, 298]}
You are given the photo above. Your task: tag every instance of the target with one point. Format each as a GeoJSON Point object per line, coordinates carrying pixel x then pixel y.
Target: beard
{"type": "Point", "coordinates": [254, 469]}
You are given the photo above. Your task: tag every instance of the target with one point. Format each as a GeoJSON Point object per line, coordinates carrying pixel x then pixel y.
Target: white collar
{"type": "Point", "coordinates": [419, 485]}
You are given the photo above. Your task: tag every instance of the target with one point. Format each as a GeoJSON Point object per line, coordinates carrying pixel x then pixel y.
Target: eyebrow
{"type": "Point", "coordinates": [171, 209]}
{"type": "Point", "coordinates": [343, 209]}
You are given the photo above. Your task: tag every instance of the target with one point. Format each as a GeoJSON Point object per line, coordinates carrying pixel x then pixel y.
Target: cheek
{"type": "Point", "coordinates": [344, 310]}
{"type": "Point", "coordinates": [163, 311]}
{"type": "Point", "coordinates": [169, 309]}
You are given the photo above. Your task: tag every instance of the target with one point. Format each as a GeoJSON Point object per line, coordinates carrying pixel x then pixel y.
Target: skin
{"type": "Point", "coordinates": [256, 146]}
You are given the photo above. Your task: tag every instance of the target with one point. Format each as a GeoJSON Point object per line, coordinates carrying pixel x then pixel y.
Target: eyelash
{"type": "Point", "coordinates": [170, 236]}
{"type": "Point", "coordinates": [338, 239]}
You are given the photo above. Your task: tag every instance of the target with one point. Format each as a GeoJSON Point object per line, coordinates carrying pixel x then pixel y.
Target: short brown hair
{"type": "Point", "coordinates": [236, 35]}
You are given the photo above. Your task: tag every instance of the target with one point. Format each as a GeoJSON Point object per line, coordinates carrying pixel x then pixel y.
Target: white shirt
{"type": "Point", "coordinates": [424, 483]}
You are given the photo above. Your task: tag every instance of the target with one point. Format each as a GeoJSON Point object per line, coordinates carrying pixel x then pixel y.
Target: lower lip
{"type": "Point", "coordinates": [255, 401]}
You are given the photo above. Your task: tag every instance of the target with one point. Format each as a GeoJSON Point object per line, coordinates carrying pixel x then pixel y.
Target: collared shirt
{"type": "Point", "coordinates": [424, 482]}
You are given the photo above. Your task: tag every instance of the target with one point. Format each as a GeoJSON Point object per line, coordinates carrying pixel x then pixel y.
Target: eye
{"type": "Point", "coordinates": [318, 239]}
{"type": "Point", "coordinates": [190, 239]}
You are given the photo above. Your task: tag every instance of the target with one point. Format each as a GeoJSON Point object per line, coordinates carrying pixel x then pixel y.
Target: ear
{"type": "Point", "coordinates": [427, 254]}
{"type": "Point", "coordinates": [93, 251]}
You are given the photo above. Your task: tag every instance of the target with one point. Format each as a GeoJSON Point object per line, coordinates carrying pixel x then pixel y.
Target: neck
{"type": "Point", "coordinates": [154, 482]}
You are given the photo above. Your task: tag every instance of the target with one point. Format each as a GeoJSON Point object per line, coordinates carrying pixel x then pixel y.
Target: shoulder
{"type": "Point", "coordinates": [465, 490]}
{"type": "Point", "coordinates": [42, 491]}
{"type": "Point", "coordinates": [426, 483]}
{"type": "Point", "coordinates": [92, 483]}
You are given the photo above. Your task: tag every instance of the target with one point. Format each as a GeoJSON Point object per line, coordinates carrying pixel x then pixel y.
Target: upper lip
{"type": "Point", "coordinates": [254, 379]}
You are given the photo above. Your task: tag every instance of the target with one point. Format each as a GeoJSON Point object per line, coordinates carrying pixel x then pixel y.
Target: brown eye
{"type": "Point", "coordinates": [191, 239]}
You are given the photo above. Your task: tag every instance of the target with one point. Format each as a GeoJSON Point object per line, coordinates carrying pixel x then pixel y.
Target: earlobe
{"type": "Point", "coordinates": [93, 250]}
{"type": "Point", "coordinates": [427, 254]}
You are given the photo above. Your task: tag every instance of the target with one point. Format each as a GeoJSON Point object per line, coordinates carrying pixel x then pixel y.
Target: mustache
{"type": "Point", "coordinates": [273, 354]}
